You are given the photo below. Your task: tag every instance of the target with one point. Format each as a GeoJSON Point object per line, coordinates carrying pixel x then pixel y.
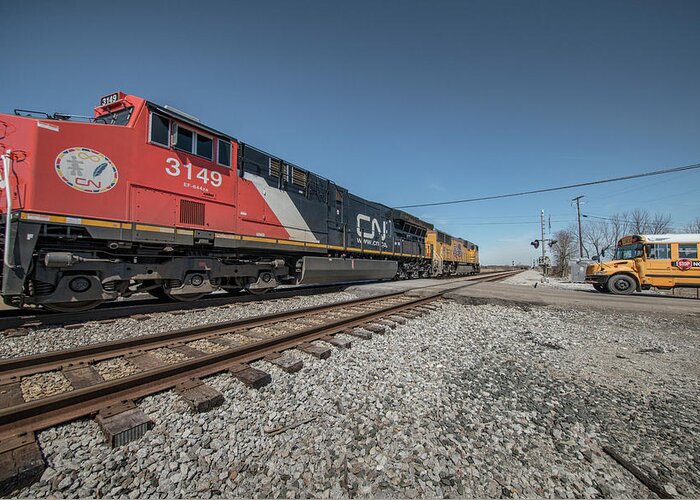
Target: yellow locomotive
{"type": "Point", "coordinates": [451, 255]}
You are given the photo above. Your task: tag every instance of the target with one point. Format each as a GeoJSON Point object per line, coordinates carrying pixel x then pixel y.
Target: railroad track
{"type": "Point", "coordinates": [105, 379]}
{"type": "Point", "coordinates": [24, 318]}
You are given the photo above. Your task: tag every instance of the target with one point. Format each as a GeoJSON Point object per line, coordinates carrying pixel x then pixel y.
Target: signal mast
{"type": "Point", "coordinates": [543, 260]}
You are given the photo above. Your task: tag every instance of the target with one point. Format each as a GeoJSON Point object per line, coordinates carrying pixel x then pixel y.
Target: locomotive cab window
{"type": "Point", "coordinates": [223, 157]}
{"type": "Point", "coordinates": [183, 139]}
{"type": "Point", "coordinates": [205, 147]}
{"type": "Point", "coordinates": [191, 142]}
{"type": "Point", "coordinates": [120, 117]}
{"type": "Point", "coordinates": [160, 130]}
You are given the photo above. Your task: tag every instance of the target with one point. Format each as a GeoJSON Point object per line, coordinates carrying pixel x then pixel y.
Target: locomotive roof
{"type": "Point", "coordinates": [185, 119]}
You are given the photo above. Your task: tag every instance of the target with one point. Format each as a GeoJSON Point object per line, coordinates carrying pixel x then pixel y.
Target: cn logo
{"type": "Point", "coordinates": [374, 227]}
{"type": "Point", "coordinates": [86, 170]}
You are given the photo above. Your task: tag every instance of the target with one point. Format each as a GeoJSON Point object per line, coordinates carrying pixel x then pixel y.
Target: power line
{"type": "Point", "coordinates": [558, 188]}
{"type": "Point", "coordinates": [617, 220]}
{"type": "Point", "coordinates": [501, 223]}
{"type": "Point", "coordinates": [478, 217]}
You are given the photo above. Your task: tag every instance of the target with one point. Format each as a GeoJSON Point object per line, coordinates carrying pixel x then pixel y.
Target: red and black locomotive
{"type": "Point", "coordinates": [146, 198]}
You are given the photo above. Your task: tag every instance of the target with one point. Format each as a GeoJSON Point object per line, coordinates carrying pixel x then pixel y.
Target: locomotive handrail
{"type": "Point", "coordinates": [7, 168]}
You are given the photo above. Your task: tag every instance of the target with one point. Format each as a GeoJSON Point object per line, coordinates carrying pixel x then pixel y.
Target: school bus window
{"type": "Point", "coordinates": [626, 252]}
{"type": "Point", "coordinates": [687, 251]}
{"type": "Point", "coordinates": [659, 251]}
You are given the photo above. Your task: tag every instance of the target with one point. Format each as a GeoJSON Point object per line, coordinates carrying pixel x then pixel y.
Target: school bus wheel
{"type": "Point", "coordinates": [622, 284]}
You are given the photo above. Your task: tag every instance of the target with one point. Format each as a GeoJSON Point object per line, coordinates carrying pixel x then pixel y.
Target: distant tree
{"type": "Point", "coordinates": [637, 220]}
{"type": "Point", "coordinates": [598, 238]}
{"type": "Point", "coordinates": [694, 226]}
{"type": "Point", "coordinates": [659, 224]}
{"type": "Point", "coordinates": [640, 221]}
{"type": "Point", "coordinates": [619, 227]}
{"type": "Point", "coordinates": [563, 250]}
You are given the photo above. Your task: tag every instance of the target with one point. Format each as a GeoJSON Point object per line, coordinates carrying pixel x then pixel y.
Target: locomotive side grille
{"type": "Point", "coordinates": [299, 178]}
{"type": "Point", "coordinates": [274, 168]}
{"type": "Point", "coordinates": [191, 212]}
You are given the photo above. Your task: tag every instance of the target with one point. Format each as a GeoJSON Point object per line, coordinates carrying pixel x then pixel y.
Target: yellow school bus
{"type": "Point", "coordinates": [641, 261]}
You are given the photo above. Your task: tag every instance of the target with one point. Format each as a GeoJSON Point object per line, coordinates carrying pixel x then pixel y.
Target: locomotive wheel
{"type": "Point", "coordinates": [72, 306]}
{"type": "Point", "coordinates": [257, 292]}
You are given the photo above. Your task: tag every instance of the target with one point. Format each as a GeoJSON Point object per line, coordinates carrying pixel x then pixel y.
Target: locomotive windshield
{"type": "Point", "coordinates": [120, 117]}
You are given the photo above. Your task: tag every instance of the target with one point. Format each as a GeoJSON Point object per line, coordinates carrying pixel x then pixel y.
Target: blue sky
{"type": "Point", "coordinates": [403, 102]}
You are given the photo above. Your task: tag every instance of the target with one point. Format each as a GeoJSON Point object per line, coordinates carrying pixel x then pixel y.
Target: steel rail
{"type": "Point", "coordinates": [46, 412]}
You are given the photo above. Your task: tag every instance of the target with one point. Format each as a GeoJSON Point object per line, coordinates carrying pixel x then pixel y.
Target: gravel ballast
{"type": "Point", "coordinates": [476, 401]}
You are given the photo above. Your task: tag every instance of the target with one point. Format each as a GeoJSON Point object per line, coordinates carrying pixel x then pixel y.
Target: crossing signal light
{"type": "Point", "coordinates": [535, 243]}
{"type": "Point", "coordinates": [552, 243]}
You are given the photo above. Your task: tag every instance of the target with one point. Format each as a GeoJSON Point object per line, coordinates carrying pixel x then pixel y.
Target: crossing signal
{"type": "Point", "coordinates": [535, 243]}
{"type": "Point", "coordinates": [552, 243]}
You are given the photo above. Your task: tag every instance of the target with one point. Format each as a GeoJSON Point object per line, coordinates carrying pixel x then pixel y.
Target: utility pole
{"type": "Point", "coordinates": [578, 211]}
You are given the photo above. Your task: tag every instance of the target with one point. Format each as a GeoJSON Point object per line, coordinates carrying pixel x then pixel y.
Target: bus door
{"type": "Point", "coordinates": [658, 264]}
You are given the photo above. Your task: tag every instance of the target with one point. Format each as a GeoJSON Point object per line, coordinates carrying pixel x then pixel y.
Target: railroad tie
{"type": "Point", "coordinates": [188, 351]}
{"type": "Point", "coordinates": [106, 321]}
{"type": "Point", "coordinates": [145, 361]}
{"type": "Point", "coordinates": [398, 319]}
{"type": "Point", "coordinates": [10, 394]}
{"type": "Point", "coordinates": [408, 315]}
{"type": "Point", "coordinates": [316, 350]}
{"type": "Point", "coordinates": [337, 342]}
{"type": "Point", "coordinates": [386, 322]}
{"type": "Point", "coordinates": [286, 363]}
{"type": "Point", "coordinates": [21, 462]}
{"type": "Point", "coordinates": [122, 423]}
{"type": "Point", "coordinates": [252, 377]}
{"type": "Point", "coordinates": [16, 332]}
{"type": "Point", "coordinates": [228, 343]}
{"type": "Point", "coordinates": [374, 328]}
{"type": "Point", "coordinates": [360, 333]}
{"type": "Point", "coordinates": [82, 376]}
{"type": "Point", "coordinates": [199, 396]}
{"type": "Point", "coordinates": [419, 312]}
